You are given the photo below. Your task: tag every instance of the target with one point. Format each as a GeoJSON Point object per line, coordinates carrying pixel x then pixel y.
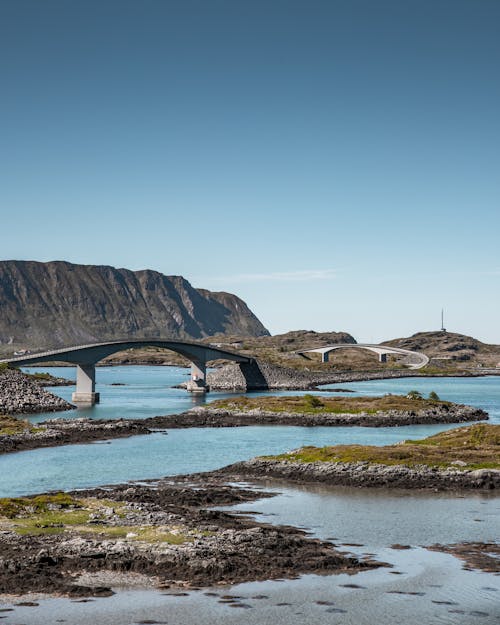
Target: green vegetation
{"type": "Point", "coordinates": [313, 401]}
{"type": "Point", "coordinates": [335, 405]}
{"type": "Point", "coordinates": [414, 395]}
{"type": "Point", "coordinates": [471, 447]}
{"type": "Point", "coordinates": [61, 513]}
{"type": "Point", "coordinates": [25, 506]}
{"type": "Point", "coordinates": [11, 425]}
{"type": "Point", "coordinates": [433, 396]}
{"type": "Point", "coordinates": [46, 377]}
{"type": "Point", "coordinates": [149, 534]}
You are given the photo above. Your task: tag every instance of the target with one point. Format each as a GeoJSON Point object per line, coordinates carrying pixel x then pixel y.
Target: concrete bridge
{"type": "Point", "coordinates": [419, 359]}
{"type": "Point", "coordinates": [85, 357]}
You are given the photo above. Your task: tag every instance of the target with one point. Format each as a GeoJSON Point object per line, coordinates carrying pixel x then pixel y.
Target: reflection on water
{"type": "Point", "coordinates": [378, 518]}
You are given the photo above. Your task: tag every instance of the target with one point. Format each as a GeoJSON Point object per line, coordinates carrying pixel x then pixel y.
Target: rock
{"type": "Point", "coordinates": [367, 475]}
{"type": "Point", "coordinates": [20, 394]}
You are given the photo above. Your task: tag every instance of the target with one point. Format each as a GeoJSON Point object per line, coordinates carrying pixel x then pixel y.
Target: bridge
{"type": "Point", "coordinates": [419, 359]}
{"type": "Point", "coordinates": [85, 357]}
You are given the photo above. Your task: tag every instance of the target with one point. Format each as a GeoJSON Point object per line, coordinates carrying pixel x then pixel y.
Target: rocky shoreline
{"type": "Point", "coordinates": [364, 474]}
{"type": "Point", "coordinates": [167, 531]}
{"type": "Point", "coordinates": [21, 394]}
{"type": "Point", "coordinates": [56, 432]}
{"type": "Point", "coordinates": [202, 416]}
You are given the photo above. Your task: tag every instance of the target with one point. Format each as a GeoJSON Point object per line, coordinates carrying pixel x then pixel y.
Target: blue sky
{"type": "Point", "coordinates": [334, 163]}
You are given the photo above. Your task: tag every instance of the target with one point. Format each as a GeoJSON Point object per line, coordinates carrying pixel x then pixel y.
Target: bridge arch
{"type": "Point", "coordinates": [382, 350]}
{"type": "Point", "coordinates": [85, 357]}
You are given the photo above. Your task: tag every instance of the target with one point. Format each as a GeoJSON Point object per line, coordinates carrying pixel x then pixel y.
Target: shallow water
{"type": "Point", "coordinates": [374, 519]}
{"type": "Point", "coordinates": [465, 598]}
{"type": "Point", "coordinates": [446, 593]}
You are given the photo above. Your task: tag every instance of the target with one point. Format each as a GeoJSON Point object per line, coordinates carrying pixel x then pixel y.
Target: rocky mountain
{"type": "Point", "coordinates": [60, 303]}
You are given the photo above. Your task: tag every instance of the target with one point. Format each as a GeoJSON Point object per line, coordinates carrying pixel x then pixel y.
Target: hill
{"type": "Point", "coordinates": [449, 349]}
{"type": "Point", "coordinates": [60, 303]}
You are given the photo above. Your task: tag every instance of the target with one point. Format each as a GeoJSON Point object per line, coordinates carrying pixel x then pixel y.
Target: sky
{"type": "Point", "coordinates": [335, 163]}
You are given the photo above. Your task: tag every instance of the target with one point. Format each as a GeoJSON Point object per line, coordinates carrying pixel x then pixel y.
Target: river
{"type": "Point", "coordinates": [374, 520]}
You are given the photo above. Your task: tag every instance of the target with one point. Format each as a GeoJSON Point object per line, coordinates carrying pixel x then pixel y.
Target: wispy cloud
{"type": "Point", "coordinates": [303, 275]}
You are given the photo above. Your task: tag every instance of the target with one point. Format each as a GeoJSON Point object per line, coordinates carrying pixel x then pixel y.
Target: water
{"type": "Point", "coordinates": [374, 518]}
{"type": "Point", "coordinates": [447, 594]}
{"type": "Point", "coordinates": [177, 452]}
{"type": "Point", "coordinates": [148, 391]}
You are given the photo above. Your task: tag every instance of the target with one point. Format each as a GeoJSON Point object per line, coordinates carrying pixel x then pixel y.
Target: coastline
{"type": "Point", "coordinates": [364, 475]}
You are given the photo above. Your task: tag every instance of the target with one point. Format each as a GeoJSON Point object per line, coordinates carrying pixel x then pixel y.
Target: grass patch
{"type": "Point", "coordinates": [12, 507]}
{"type": "Point", "coordinates": [313, 404]}
{"type": "Point", "coordinates": [149, 534]}
{"type": "Point", "coordinates": [11, 425]}
{"type": "Point", "coordinates": [478, 446]}
{"type": "Point", "coordinates": [60, 513]}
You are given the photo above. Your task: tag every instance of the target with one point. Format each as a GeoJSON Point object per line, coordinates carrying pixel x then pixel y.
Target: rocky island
{"type": "Point", "coordinates": [312, 410]}
{"type": "Point", "coordinates": [462, 458]}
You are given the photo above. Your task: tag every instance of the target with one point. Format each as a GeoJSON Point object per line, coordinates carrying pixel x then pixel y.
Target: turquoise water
{"type": "Point", "coordinates": [148, 392]}
{"type": "Point", "coordinates": [374, 519]}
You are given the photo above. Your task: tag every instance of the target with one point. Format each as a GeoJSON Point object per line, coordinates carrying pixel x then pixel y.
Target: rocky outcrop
{"type": "Point", "coordinates": [212, 546]}
{"type": "Point", "coordinates": [367, 474]}
{"type": "Point", "coordinates": [202, 416]}
{"type": "Point", "coordinates": [20, 394]}
{"type": "Point", "coordinates": [59, 303]}
{"type": "Point", "coordinates": [56, 432]}
{"type": "Point", "coordinates": [260, 375]}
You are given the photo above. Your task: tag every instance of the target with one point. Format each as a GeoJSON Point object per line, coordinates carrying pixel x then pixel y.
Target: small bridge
{"type": "Point", "coordinates": [417, 360]}
{"type": "Point", "coordinates": [85, 357]}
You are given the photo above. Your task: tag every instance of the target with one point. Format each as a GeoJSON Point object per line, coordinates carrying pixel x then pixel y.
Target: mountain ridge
{"type": "Point", "coordinates": [60, 303]}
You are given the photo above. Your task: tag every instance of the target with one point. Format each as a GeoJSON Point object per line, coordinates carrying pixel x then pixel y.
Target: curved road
{"type": "Point", "coordinates": [381, 350]}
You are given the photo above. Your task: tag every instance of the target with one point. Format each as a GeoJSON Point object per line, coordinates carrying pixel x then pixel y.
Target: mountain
{"type": "Point", "coordinates": [59, 303]}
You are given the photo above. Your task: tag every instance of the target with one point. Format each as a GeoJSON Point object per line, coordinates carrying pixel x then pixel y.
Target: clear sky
{"type": "Point", "coordinates": [335, 163]}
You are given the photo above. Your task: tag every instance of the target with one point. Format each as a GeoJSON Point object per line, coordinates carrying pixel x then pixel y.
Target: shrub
{"type": "Point", "coordinates": [434, 396]}
{"type": "Point", "coordinates": [312, 401]}
{"type": "Point", "coordinates": [414, 395]}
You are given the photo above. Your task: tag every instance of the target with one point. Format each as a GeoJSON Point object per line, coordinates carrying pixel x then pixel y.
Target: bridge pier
{"type": "Point", "coordinates": [85, 386]}
{"type": "Point", "coordinates": [198, 384]}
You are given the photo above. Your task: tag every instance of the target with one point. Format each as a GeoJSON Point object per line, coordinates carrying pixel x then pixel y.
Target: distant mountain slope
{"type": "Point", "coordinates": [59, 303]}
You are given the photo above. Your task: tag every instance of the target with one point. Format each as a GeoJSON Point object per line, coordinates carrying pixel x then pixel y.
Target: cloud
{"type": "Point", "coordinates": [303, 275]}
